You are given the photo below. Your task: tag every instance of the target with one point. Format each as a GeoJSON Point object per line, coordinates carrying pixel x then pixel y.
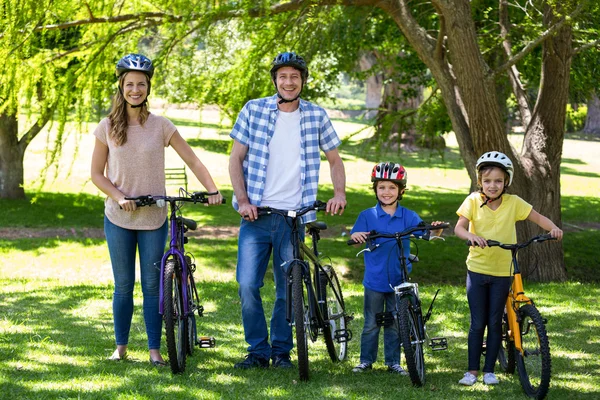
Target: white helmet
{"type": "Point", "coordinates": [499, 160]}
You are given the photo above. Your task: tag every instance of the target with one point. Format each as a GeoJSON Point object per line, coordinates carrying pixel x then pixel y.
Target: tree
{"type": "Point", "coordinates": [452, 38]}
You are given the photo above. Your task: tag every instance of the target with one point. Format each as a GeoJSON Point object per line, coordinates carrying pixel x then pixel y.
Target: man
{"type": "Point", "coordinates": [275, 162]}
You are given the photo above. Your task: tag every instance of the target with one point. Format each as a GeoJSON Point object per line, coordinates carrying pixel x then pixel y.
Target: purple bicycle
{"type": "Point", "coordinates": [179, 300]}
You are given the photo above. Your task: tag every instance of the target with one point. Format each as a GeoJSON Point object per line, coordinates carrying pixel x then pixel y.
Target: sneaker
{"type": "Point", "coordinates": [252, 361]}
{"type": "Point", "coordinates": [468, 380]}
{"type": "Point", "coordinates": [362, 367]}
{"type": "Point", "coordinates": [281, 361]}
{"type": "Point", "coordinates": [397, 369]}
{"type": "Point", "coordinates": [489, 378]}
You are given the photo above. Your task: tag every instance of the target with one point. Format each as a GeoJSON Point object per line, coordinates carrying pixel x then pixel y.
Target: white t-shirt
{"type": "Point", "coordinates": [283, 187]}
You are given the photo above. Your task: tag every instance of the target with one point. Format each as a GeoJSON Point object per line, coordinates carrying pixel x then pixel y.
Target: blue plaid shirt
{"type": "Point", "coordinates": [254, 128]}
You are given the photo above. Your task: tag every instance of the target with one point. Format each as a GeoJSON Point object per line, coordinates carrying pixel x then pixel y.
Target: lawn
{"type": "Point", "coordinates": [55, 286]}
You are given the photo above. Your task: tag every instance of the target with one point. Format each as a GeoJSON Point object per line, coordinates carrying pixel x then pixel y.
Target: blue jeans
{"type": "Point", "coordinates": [270, 233]}
{"type": "Point", "coordinates": [376, 302]}
{"type": "Point", "coordinates": [487, 296]}
{"type": "Point", "coordinates": [122, 244]}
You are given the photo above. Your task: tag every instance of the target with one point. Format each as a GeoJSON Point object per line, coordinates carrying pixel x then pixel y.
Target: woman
{"type": "Point", "coordinates": [129, 161]}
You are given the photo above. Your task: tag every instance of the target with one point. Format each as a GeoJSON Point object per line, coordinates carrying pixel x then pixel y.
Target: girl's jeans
{"type": "Point", "coordinates": [369, 339]}
{"type": "Point", "coordinates": [487, 296]}
{"type": "Point", "coordinates": [122, 244]}
{"type": "Point", "coordinates": [257, 239]}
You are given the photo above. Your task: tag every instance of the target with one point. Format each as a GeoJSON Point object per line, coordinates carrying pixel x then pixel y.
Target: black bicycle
{"type": "Point", "coordinates": [178, 297]}
{"type": "Point", "coordinates": [314, 304]}
{"type": "Point", "coordinates": [408, 313]}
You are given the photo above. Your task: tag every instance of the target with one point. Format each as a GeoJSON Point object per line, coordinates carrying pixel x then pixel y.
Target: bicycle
{"type": "Point", "coordinates": [314, 306]}
{"type": "Point", "coordinates": [408, 313]}
{"type": "Point", "coordinates": [178, 297]}
{"type": "Point", "coordinates": [524, 337]}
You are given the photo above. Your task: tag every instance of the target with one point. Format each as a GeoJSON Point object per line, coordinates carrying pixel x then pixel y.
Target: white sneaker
{"type": "Point", "coordinates": [397, 369]}
{"type": "Point", "coordinates": [468, 379]}
{"type": "Point", "coordinates": [362, 367]}
{"type": "Point", "coordinates": [490, 379]}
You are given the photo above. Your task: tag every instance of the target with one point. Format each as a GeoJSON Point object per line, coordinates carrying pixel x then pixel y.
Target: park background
{"type": "Point", "coordinates": [55, 278]}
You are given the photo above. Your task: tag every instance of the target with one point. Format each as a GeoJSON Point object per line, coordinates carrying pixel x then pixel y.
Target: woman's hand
{"type": "Point", "coordinates": [215, 199]}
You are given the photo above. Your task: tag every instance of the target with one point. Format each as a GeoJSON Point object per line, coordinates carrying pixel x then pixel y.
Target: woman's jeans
{"type": "Point", "coordinates": [369, 339]}
{"type": "Point", "coordinates": [122, 245]}
{"type": "Point", "coordinates": [257, 239]}
{"type": "Point", "coordinates": [487, 296]}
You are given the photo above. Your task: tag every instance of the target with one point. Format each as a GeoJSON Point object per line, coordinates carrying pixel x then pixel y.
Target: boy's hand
{"type": "Point", "coordinates": [359, 237]}
{"type": "Point", "coordinates": [437, 232]}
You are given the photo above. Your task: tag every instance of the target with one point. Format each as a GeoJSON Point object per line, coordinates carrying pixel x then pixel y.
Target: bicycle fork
{"type": "Point", "coordinates": [513, 302]}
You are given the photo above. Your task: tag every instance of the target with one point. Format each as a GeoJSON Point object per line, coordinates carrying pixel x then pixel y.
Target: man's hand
{"type": "Point", "coordinates": [248, 211]}
{"type": "Point", "coordinates": [336, 205]}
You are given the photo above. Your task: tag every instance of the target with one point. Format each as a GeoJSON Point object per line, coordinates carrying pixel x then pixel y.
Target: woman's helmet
{"type": "Point", "coordinates": [289, 59]}
{"type": "Point", "coordinates": [388, 171]}
{"type": "Point", "coordinates": [135, 62]}
{"type": "Point", "coordinates": [497, 159]}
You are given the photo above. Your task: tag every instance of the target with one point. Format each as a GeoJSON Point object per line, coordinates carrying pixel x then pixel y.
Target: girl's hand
{"type": "Point", "coordinates": [477, 240]}
{"type": "Point", "coordinates": [215, 199]}
{"type": "Point", "coordinates": [359, 237]}
{"type": "Point", "coordinates": [127, 205]}
{"type": "Point", "coordinates": [556, 233]}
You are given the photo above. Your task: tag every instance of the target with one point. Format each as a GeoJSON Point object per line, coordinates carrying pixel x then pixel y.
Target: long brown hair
{"type": "Point", "coordinates": [118, 115]}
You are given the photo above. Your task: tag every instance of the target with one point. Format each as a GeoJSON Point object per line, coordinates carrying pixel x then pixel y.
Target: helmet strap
{"type": "Point", "coordinates": [131, 105]}
{"type": "Point", "coordinates": [488, 199]}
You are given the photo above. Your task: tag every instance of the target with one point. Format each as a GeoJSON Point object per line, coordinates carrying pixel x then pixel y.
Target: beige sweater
{"type": "Point", "coordinates": [137, 168]}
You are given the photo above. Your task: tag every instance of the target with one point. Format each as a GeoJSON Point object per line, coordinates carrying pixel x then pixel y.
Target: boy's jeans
{"type": "Point", "coordinates": [369, 339]}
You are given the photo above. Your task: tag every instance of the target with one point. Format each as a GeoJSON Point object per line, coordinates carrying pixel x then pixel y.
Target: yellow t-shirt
{"type": "Point", "coordinates": [137, 168]}
{"type": "Point", "coordinates": [497, 225]}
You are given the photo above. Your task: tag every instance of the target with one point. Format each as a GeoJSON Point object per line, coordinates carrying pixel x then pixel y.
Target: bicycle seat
{"type": "Point", "coordinates": [318, 225]}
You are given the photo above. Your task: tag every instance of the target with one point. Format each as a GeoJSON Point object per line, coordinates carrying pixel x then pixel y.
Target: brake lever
{"type": "Point", "coordinates": [369, 249]}
{"type": "Point", "coordinates": [431, 238]}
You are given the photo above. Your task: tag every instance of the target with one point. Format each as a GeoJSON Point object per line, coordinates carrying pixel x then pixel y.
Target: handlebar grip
{"type": "Point", "coordinates": [351, 242]}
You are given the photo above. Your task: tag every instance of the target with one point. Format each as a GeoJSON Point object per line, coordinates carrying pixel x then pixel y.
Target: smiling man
{"type": "Point", "coordinates": [275, 162]}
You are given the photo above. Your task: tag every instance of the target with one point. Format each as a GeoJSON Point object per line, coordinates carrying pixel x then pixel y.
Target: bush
{"type": "Point", "coordinates": [575, 120]}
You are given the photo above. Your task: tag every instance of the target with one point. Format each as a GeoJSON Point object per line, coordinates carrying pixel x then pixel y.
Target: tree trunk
{"type": "Point", "coordinates": [592, 120]}
{"type": "Point", "coordinates": [542, 152]}
{"type": "Point", "coordinates": [374, 85]}
{"type": "Point", "coordinates": [11, 159]}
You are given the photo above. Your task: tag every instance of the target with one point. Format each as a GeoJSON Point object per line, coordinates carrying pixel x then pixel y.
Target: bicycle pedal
{"type": "Point", "coordinates": [206, 342]}
{"type": "Point", "coordinates": [342, 335]}
{"type": "Point", "coordinates": [438, 343]}
{"type": "Point", "coordinates": [384, 319]}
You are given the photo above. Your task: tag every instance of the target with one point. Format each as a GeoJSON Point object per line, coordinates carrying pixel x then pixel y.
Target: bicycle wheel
{"type": "Point", "coordinates": [410, 338]}
{"type": "Point", "coordinates": [506, 355]}
{"type": "Point", "coordinates": [534, 365]}
{"type": "Point", "coordinates": [175, 322]}
{"type": "Point", "coordinates": [301, 320]}
{"type": "Point", "coordinates": [334, 315]}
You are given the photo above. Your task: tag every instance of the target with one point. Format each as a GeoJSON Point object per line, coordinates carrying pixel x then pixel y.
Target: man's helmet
{"type": "Point", "coordinates": [497, 159]}
{"type": "Point", "coordinates": [289, 59]}
{"type": "Point", "coordinates": [135, 62]}
{"type": "Point", "coordinates": [388, 171]}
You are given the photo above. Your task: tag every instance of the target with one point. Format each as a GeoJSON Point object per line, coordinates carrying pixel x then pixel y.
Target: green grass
{"type": "Point", "coordinates": [55, 291]}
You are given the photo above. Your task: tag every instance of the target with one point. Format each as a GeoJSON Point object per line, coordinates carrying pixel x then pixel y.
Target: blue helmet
{"type": "Point", "coordinates": [135, 62]}
{"type": "Point", "coordinates": [289, 59]}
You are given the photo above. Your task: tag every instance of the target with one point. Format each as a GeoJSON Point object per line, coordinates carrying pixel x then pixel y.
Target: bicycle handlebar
{"type": "Point", "coordinates": [317, 206]}
{"type": "Point", "coordinates": [398, 235]}
{"type": "Point", "coordinates": [516, 246]}
{"type": "Point", "coordinates": [196, 197]}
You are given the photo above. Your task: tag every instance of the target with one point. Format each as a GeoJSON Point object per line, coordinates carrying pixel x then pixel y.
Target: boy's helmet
{"type": "Point", "coordinates": [388, 171]}
{"type": "Point", "coordinates": [497, 159]}
{"type": "Point", "coordinates": [135, 62]}
{"type": "Point", "coordinates": [289, 59]}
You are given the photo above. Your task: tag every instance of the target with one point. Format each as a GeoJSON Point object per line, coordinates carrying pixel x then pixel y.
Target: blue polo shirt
{"type": "Point", "coordinates": [382, 266]}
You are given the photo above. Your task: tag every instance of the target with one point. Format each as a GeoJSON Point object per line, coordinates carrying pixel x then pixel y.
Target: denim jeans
{"type": "Point", "coordinates": [376, 302]}
{"type": "Point", "coordinates": [487, 296]}
{"type": "Point", "coordinates": [122, 244]}
{"type": "Point", "coordinates": [257, 240]}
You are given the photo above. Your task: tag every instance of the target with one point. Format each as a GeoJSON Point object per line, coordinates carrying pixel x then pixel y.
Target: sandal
{"type": "Point", "coordinates": [158, 363]}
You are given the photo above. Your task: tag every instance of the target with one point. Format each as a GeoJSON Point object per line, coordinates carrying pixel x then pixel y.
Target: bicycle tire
{"type": "Point", "coordinates": [506, 355]}
{"type": "Point", "coordinates": [175, 322]}
{"type": "Point", "coordinates": [192, 332]}
{"type": "Point", "coordinates": [535, 364]}
{"type": "Point", "coordinates": [411, 341]}
{"type": "Point", "coordinates": [334, 307]}
{"type": "Point", "coordinates": [300, 320]}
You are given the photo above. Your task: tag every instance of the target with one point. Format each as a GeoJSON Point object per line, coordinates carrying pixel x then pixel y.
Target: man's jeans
{"type": "Point", "coordinates": [369, 339]}
{"type": "Point", "coordinates": [487, 296]}
{"type": "Point", "coordinates": [122, 245]}
{"type": "Point", "coordinates": [269, 233]}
